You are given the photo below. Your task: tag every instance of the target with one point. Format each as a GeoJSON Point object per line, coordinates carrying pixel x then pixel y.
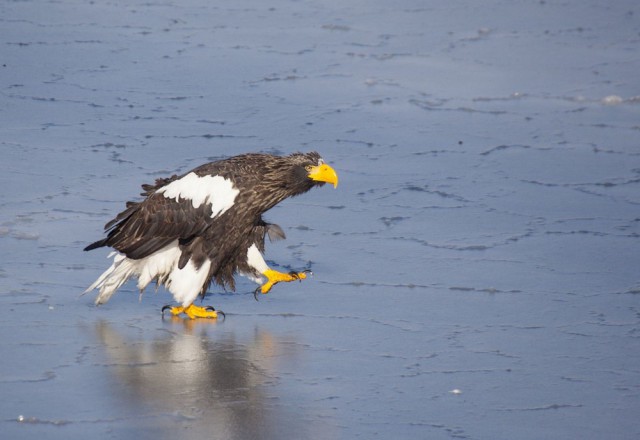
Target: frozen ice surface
{"type": "Point", "coordinates": [476, 271]}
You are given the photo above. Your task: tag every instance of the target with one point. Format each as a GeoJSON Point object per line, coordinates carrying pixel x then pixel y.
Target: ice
{"type": "Point", "coordinates": [475, 273]}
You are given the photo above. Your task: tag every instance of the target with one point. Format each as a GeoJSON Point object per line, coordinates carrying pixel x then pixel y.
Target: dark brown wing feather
{"type": "Point", "coordinates": [145, 227]}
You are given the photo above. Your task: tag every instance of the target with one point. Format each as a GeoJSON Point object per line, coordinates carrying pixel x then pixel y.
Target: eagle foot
{"type": "Point", "coordinates": [194, 312]}
{"type": "Point", "coordinates": [274, 277]}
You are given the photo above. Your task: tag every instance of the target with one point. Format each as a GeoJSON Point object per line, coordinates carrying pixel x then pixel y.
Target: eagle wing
{"type": "Point", "coordinates": [175, 208]}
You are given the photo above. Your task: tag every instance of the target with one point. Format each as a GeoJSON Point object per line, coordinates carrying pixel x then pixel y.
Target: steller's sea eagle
{"type": "Point", "coordinates": [206, 226]}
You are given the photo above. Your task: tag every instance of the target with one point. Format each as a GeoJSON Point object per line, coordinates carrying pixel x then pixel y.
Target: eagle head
{"type": "Point", "coordinates": [309, 169]}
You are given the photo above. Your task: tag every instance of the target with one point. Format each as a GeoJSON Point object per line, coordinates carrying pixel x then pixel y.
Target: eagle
{"type": "Point", "coordinates": [206, 226]}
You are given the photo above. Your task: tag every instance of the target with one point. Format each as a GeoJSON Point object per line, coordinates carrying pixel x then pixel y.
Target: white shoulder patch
{"type": "Point", "coordinates": [216, 190]}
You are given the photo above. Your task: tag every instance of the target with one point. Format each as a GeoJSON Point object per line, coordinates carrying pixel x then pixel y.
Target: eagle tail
{"type": "Point", "coordinates": [112, 278]}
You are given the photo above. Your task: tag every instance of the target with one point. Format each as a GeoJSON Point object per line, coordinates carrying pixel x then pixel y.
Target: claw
{"type": "Point", "coordinates": [219, 312]}
{"type": "Point", "coordinates": [193, 311]}
{"type": "Point", "coordinates": [296, 275]}
{"type": "Point", "coordinates": [255, 293]}
{"type": "Point", "coordinates": [174, 311]}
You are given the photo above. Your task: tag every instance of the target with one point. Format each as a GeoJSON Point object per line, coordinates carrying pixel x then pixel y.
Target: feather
{"type": "Point", "coordinates": [275, 232]}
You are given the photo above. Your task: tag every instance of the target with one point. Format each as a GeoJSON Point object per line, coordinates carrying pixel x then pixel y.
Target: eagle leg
{"type": "Point", "coordinates": [274, 277]}
{"type": "Point", "coordinates": [194, 312]}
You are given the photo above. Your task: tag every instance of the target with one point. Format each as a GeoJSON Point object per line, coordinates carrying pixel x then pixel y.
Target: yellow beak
{"type": "Point", "coordinates": [324, 173]}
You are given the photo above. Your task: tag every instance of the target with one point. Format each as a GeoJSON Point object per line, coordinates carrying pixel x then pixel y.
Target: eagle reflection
{"type": "Point", "coordinates": [191, 384]}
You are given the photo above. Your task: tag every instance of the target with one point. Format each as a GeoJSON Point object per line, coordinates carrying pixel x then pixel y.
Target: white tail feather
{"type": "Point", "coordinates": [115, 276]}
{"type": "Point", "coordinates": [185, 284]}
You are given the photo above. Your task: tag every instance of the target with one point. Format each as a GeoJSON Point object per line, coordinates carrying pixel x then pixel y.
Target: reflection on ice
{"type": "Point", "coordinates": [204, 386]}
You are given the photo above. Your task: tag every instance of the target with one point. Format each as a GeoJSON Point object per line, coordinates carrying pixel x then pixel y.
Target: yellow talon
{"type": "Point", "coordinates": [193, 312]}
{"type": "Point", "coordinates": [274, 277]}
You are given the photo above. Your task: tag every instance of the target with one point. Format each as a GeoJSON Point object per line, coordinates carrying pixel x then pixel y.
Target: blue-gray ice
{"type": "Point", "coordinates": [477, 271]}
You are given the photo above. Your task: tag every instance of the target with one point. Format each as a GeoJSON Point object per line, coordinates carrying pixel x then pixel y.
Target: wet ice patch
{"type": "Point", "coordinates": [216, 190]}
